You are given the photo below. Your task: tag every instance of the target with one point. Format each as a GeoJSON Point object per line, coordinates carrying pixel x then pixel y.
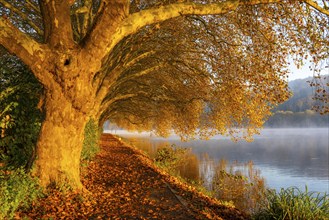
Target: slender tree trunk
{"type": "Point", "coordinates": [60, 142]}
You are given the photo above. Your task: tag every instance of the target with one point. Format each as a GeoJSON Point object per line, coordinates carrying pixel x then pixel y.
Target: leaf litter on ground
{"type": "Point", "coordinates": [122, 183]}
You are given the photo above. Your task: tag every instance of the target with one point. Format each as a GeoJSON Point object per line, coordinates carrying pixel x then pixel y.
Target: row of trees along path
{"type": "Point", "coordinates": [122, 183]}
{"type": "Point", "coordinates": [158, 64]}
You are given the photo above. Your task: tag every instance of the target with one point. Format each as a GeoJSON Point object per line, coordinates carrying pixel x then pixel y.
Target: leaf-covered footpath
{"type": "Point", "coordinates": [122, 183]}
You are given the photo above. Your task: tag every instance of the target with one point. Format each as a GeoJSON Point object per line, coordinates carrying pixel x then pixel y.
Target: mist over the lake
{"type": "Point", "coordinates": [285, 157]}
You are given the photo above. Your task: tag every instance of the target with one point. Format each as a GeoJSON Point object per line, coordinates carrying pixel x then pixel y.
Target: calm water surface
{"type": "Point", "coordinates": [285, 157]}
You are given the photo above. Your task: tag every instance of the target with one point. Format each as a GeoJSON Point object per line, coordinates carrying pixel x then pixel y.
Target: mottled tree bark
{"type": "Point", "coordinates": [60, 142]}
{"type": "Point", "coordinates": [68, 106]}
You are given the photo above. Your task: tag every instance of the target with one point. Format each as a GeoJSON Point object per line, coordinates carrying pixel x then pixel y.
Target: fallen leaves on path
{"type": "Point", "coordinates": [121, 183]}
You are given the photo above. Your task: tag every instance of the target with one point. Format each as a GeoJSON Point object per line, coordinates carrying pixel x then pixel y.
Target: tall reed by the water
{"type": "Point", "coordinates": [240, 183]}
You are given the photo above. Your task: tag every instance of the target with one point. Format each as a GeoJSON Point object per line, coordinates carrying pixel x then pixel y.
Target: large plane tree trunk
{"type": "Point", "coordinates": [60, 143]}
{"type": "Point", "coordinates": [70, 100]}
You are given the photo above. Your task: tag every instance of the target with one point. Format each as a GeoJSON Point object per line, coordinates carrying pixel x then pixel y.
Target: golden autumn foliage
{"type": "Point", "coordinates": [198, 67]}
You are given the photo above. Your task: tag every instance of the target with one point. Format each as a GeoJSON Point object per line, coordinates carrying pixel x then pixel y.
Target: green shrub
{"type": "Point", "coordinates": [20, 118]}
{"type": "Point", "coordinates": [17, 190]}
{"type": "Point", "coordinates": [170, 157]}
{"type": "Point", "coordinates": [90, 143]}
{"type": "Point", "coordinates": [292, 203]}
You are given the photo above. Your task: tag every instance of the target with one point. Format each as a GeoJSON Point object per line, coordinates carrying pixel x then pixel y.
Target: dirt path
{"type": "Point", "coordinates": [123, 184]}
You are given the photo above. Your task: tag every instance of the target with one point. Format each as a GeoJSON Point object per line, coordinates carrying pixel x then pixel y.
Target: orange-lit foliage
{"type": "Point", "coordinates": [215, 74]}
{"type": "Point", "coordinates": [211, 65]}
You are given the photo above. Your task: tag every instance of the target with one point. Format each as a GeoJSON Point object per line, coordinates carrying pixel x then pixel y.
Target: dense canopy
{"type": "Point", "coordinates": [197, 67]}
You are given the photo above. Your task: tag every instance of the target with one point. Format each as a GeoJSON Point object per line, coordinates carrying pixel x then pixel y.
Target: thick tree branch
{"type": "Point", "coordinates": [317, 7]}
{"type": "Point", "coordinates": [57, 23]}
{"type": "Point", "coordinates": [103, 38]}
{"type": "Point", "coordinates": [132, 23]}
{"type": "Point", "coordinates": [18, 43]}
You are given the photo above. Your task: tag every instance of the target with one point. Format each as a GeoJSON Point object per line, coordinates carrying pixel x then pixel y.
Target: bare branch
{"type": "Point", "coordinates": [109, 102]}
{"type": "Point", "coordinates": [22, 15]}
{"type": "Point", "coordinates": [117, 72]}
{"type": "Point", "coordinates": [115, 84]}
{"type": "Point", "coordinates": [137, 59]}
{"type": "Point", "coordinates": [33, 6]}
{"type": "Point", "coordinates": [139, 74]}
{"type": "Point", "coordinates": [84, 17]}
{"type": "Point", "coordinates": [325, 4]}
{"type": "Point", "coordinates": [87, 17]}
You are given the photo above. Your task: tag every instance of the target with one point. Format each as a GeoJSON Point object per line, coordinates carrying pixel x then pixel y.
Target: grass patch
{"type": "Point", "coordinates": [170, 157]}
{"type": "Point", "coordinates": [18, 190]}
{"type": "Point", "coordinates": [292, 203]}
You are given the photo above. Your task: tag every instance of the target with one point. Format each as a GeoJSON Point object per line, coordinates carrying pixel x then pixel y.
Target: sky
{"type": "Point", "coordinates": [303, 72]}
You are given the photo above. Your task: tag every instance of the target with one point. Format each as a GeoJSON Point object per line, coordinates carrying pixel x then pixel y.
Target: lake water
{"type": "Point", "coordinates": [285, 157]}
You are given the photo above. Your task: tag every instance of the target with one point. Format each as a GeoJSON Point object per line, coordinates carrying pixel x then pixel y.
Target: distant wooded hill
{"type": "Point", "coordinates": [303, 93]}
{"type": "Point", "coordinates": [297, 111]}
